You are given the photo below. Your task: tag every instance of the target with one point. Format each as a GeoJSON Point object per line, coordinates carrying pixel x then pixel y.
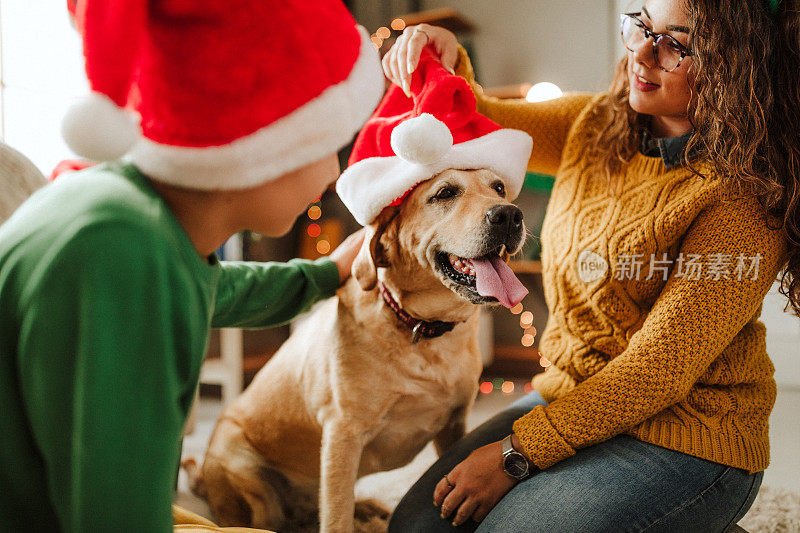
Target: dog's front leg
{"type": "Point", "coordinates": [342, 444]}
{"type": "Point", "coordinates": [452, 431]}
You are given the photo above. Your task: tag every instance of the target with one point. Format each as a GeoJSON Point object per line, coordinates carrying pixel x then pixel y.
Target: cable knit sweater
{"type": "Point", "coordinates": [654, 297]}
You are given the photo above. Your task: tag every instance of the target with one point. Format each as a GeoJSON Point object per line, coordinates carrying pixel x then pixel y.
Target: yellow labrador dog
{"type": "Point", "coordinates": [370, 376]}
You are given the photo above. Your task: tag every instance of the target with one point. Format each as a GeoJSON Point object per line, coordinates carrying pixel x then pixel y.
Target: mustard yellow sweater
{"type": "Point", "coordinates": [654, 299]}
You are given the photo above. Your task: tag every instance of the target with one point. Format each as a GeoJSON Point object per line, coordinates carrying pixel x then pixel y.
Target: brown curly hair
{"type": "Point", "coordinates": [745, 110]}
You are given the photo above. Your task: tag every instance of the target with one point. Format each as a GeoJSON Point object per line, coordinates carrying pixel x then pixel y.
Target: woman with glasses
{"type": "Point", "coordinates": [676, 205]}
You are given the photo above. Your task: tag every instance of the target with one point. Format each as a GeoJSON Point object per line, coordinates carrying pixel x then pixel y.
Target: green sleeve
{"type": "Point", "coordinates": [258, 295]}
{"type": "Point", "coordinates": [99, 380]}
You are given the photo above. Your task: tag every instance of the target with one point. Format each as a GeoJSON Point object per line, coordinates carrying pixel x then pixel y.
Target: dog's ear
{"type": "Point", "coordinates": [372, 256]}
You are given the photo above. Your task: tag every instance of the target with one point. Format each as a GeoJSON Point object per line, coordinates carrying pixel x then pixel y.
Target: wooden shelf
{"type": "Point", "coordinates": [445, 17]}
{"type": "Point", "coordinates": [520, 352]}
{"type": "Point", "coordinates": [514, 361]}
{"type": "Point", "coordinates": [517, 90]}
{"type": "Point", "coordinates": [526, 267]}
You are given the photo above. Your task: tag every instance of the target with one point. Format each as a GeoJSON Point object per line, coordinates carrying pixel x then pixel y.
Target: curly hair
{"type": "Point", "coordinates": [745, 109]}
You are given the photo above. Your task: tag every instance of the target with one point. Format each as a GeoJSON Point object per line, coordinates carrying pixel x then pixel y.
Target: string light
{"type": "Point", "coordinates": [398, 24]}
{"type": "Point", "coordinates": [527, 340]}
{"type": "Point", "coordinates": [323, 247]}
{"type": "Point", "coordinates": [313, 230]}
{"type": "Point", "coordinates": [383, 32]}
{"type": "Point", "coordinates": [517, 309]}
{"type": "Point", "coordinates": [544, 362]}
{"type": "Point", "coordinates": [505, 387]}
{"type": "Point", "coordinates": [526, 319]}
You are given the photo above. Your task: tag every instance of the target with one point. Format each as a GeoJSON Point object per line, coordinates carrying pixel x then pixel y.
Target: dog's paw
{"type": "Point", "coordinates": [371, 516]}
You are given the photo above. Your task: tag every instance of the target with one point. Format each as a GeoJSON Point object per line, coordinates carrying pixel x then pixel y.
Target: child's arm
{"type": "Point", "coordinates": [253, 295]}
{"type": "Point", "coordinates": [106, 380]}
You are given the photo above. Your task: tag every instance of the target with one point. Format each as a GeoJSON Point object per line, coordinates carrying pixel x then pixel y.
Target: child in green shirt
{"type": "Point", "coordinates": [108, 279]}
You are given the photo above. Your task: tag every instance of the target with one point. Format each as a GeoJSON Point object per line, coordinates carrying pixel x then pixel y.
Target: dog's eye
{"type": "Point", "coordinates": [500, 188]}
{"type": "Point", "coordinates": [445, 193]}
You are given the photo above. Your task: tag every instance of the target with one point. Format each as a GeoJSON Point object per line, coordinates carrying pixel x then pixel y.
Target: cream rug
{"type": "Point", "coordinates": [775, 510]}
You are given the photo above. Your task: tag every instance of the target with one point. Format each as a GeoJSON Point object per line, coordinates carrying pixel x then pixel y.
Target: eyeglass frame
{"type": "Point", "coordinates": [648, 33]}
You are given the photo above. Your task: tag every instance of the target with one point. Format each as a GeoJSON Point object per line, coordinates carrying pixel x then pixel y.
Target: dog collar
{"type": "Point", "coordinates": [419, 328]}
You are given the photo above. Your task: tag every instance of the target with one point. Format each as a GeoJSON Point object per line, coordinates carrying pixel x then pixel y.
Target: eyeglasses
{"type": "Point", "coordinates": [667, 51]}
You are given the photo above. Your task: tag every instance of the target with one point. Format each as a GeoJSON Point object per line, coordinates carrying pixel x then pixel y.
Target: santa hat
{"type": "Point", "coordinates": [221, 95]}
{"type": "Point", "coordinates": [410, 140]}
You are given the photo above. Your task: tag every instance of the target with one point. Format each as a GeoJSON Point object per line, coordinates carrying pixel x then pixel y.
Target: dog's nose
{"type": "Point", "coordinates": [505, 226]}
{"type": "Point", "coordinates": [509, 216]}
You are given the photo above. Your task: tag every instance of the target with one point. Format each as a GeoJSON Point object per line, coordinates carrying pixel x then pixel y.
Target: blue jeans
{"type": "Point", "coordinates": [622, 484]}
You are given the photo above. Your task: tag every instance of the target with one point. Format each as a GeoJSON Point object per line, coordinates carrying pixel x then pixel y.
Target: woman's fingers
{"type": "Point", "coordinates": [441, 490]}
{"type": "Point", "coordinates": [402, 58]}
{"type": "Point", "coordinates": [390, 66]}
{"type": "Point", "coordinates": [449, 56]}
{"type": "Point", "coordinates": [465, 510]}
{"type": "Point", "coordinates": [401, 61]}
{"type": "Point", "coordinates": [481, 512]}
{"type": "Point", "coordinates": [418, 40]}
{"type": "Point", "coordinates": [452, 502]}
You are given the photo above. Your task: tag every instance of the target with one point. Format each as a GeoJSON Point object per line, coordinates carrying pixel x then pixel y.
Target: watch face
{"type": "Point", "coordinates": [515, 465]}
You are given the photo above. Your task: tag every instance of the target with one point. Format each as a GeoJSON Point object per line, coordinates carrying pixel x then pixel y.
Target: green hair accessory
{"type": "Point", "coordinates": [773, 6]}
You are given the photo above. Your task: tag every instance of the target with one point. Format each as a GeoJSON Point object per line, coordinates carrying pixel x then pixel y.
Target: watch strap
{"type": "Point", "coordinates": [507, 446]}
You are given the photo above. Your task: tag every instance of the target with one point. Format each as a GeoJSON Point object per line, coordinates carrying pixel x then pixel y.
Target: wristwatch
{"type": "Point", "coordinates": [514, 463]}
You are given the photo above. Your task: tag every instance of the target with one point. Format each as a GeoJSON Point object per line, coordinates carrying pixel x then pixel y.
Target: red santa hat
{"type": "Point", "coordinates": [221, 95]}
{"type": "Point", "coordinates": [410, 140]}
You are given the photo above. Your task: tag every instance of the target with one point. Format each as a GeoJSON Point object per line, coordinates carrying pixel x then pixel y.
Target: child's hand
{"type": "Point", "coordinates": [345, 254]}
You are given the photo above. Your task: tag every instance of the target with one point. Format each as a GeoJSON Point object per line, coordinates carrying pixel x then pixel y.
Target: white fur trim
{"type": "Point", "coordinates": [320, 127]}
{"type": "Point", "coordinates": [370, 185]}
{"type": "Point", "coordinates": [423, 139]}
{"type": "Point", "coordinates": [96, 128]}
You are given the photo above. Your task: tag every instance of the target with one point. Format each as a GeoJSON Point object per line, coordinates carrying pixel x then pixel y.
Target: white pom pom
{"type": "Point", "coordinates": [97, 129]}
{"type": "Point", "coordinates": [423, 139]}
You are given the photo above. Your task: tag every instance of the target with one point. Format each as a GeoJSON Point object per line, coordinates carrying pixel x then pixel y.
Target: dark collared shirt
{"type": "Point", "coordinates": [669, 149]}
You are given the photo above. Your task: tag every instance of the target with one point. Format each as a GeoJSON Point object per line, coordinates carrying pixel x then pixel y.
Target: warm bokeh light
{"type": "Point", "coordinates": [314, 230]}
{"type": "Point", "coordinates": [543, 91]}
{"type": "Point", "coordinates": [498, 382]}
{"type": "Point", "coordinates": [527, 340]}
{"type": "Point", "coordinates": [486, 387]}
{"type": "Point", "coordinates": [526, 319]}
{"type": "Point", "coordinates": [314, 212]}
{"type": "Point", "coordinates": [398, 24]}
{"type": "Point", "coordinates": [508, 387]}
{"type": "Point", "coordinates": [377, 41]}
{"type": "Point", "coordinates": [528, 388]}
{"type": "Point", "coordinates": [544, 362]}
{"type": "Point", "coordinates": [530, 331]}
{"type": "Point", "coordinates": [323, 247]}
{"type": "Point", "coordinates": [517, 309]}
{"type": "Point", "coordinates": [383, 32]}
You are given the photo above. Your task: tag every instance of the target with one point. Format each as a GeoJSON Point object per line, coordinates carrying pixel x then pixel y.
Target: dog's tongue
{"type": "Point", "coordinates": [495, 278]}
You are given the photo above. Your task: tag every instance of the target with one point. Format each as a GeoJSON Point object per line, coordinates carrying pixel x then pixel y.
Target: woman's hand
{"type": "Point", "coordinates": [402, 58]}
{"type": "Point", "coordinates": [478, 482]}
{"type": "Point", "coordinates": [345, 254]}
